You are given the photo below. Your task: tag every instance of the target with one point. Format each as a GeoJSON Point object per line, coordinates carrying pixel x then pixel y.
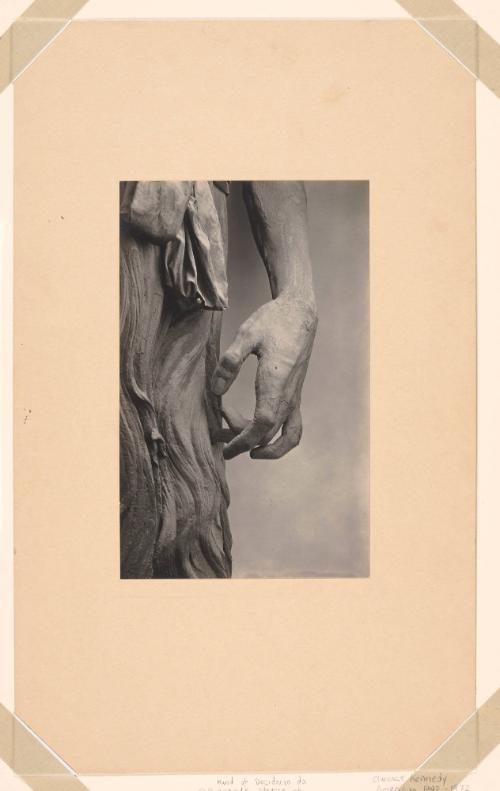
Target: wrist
{"type": "Point", "coordinates": [300, 294]}
{"type": "Point", "coordinates": [301, 301]}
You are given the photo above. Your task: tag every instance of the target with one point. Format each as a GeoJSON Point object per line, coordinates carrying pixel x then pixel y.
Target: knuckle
{"type": "Point", "coordinates": [241, 443]}
{"type": "Point", "coordinates": [244, 333]}
{"type": "Point", "coordinates": [285, 406]}
{"type": "Point", "coordinates": [264, 418]}
{"type": "Point", "coordinates": [230, 362]}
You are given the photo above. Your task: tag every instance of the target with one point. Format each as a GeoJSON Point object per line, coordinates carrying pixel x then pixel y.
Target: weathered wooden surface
{"type": "Point", "coordinates": [173, 248]}
{"type": "Point", "coordinates": [173, 492]}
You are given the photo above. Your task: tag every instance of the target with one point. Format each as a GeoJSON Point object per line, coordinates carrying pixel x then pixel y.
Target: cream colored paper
{"type": "Point", "coordinates": [171, 676]}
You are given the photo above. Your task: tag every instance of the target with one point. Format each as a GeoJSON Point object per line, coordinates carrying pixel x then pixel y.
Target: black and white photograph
{"type": "Point", "coordinates": [244, 379]}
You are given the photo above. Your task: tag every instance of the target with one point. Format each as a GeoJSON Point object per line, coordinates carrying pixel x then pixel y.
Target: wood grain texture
{"type": "Point", "coordinates": [173, 494]}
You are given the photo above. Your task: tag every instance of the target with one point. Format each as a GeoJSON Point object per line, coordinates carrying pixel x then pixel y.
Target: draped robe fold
{"type": "Point", "coordinates": [173, 287]}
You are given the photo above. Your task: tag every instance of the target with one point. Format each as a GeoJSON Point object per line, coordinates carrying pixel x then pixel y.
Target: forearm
{"type": "Point", "coordinates": [278, 217]}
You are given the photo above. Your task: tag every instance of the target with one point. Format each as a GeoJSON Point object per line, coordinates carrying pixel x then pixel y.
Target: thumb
{"type": "Point", "coordinates": [231, 361]}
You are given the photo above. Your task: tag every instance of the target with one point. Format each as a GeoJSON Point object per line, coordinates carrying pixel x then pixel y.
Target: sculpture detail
{"type": "Point", "coordinates": [173, 288]}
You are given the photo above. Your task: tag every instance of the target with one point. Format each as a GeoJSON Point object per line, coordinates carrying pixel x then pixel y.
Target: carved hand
{"type": "Point", "coordinates": [280, 334]}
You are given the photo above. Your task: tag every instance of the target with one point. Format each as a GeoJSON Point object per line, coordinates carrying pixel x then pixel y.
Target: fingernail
{"type": "Point", "coordinates": [218, 385]}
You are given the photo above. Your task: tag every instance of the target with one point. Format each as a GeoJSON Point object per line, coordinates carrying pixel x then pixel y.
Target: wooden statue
{"type": "Point", "coordinates": [173, 289]}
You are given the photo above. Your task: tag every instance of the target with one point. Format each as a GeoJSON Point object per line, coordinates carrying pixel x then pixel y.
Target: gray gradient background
{"type": "Point", "coordinates": [307, 514]}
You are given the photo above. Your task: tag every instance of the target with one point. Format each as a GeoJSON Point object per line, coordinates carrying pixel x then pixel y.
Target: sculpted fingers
{"type": "Point", "coordinates": [272, 409]}
{"type": "Point", "coordinates": [281, 413]}
{"type": "Point", "coordinates": [236, 423]}
{"type": "Point", "coordinates": [289, 439]}
{"type": "Point", "coordinates": [223, 435]}
{"type": "Point", "coordinates": [252, 434]}
{"type": "Point", "coordinates": [231, 362]}
{"type": "Point", "coordinates": [234, 419]}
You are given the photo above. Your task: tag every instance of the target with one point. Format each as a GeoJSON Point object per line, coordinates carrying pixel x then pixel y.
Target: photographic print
{"type": "Point", "coordinates": [244, 346]}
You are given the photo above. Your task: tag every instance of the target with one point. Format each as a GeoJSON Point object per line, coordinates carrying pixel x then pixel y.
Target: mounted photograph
{"type": "Point", "coordinates": [244, 358]}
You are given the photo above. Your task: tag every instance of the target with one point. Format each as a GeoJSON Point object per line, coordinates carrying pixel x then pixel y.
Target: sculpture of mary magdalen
{"type": "Point", "coordinates": [173, 289]}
